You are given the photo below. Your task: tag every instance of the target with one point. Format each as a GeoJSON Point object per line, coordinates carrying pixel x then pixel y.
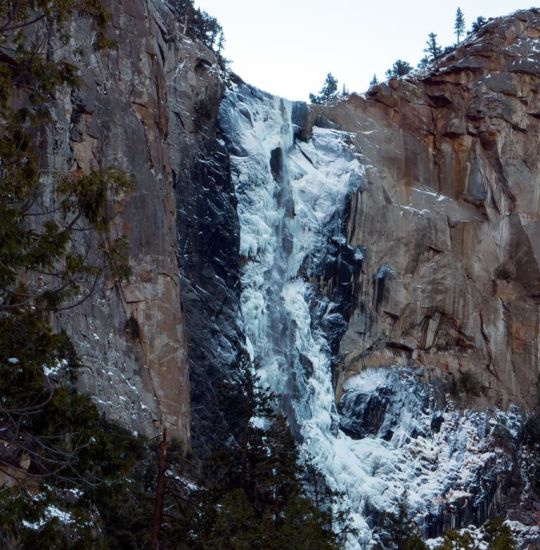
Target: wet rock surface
{"type": "Point", "coordinates": [208, 238]}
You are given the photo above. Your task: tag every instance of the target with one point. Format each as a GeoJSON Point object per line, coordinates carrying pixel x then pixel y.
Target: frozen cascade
{"type": "Point", "coordinates": [291, 198]}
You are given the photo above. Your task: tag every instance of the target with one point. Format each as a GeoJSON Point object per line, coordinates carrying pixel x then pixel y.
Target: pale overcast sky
{"type": "Point", "coordinates": [287, 47]}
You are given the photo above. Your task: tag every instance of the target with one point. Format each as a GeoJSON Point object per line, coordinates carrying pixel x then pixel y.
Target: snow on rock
{"type": "Point", "coordinates": [55, 370]}
{"type": "Point", "coordinates": [432, 450]}
{"type": "Point", "coordinates": [527, 536]}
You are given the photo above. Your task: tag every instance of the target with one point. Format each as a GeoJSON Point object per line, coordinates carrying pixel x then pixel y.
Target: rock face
{"type": "Point", "coordinates": [382, 275]}
{"type": "Point", "coordinates": [208, 243]}
{"type": "Point", "coordinates": [141, 108]}
{"type": "Point", "coordinates": [414, 281]}
{"type": "Point", "coordinates": [450, 217]}
{"type": "Point", "coordinates": [448, 225]}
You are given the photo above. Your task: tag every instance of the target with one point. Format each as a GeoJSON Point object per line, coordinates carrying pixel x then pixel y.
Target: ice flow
{"type": "Point", "coordinates": [291, 198]}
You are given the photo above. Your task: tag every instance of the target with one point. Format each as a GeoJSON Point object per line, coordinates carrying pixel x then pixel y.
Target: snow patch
{"type": "Point", "coordinates": [55, 370]}
{"type": "Point", "coordinates": [49, 513]}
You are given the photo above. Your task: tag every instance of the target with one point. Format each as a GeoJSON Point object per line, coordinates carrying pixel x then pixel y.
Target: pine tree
{"type": "Point", "coordinates": [328, 93]}
{"type": "Point", "coordinates": [304, 527]}
{"type": "Point", "coordinates": [432, 48]}
{"type": "Point", "coordinates": [252, 495]}
{"type": "Point", "coordinates": [459, 25]}
{"type": "Point", "coordinates": [424, 62]}
{"type": "Point", "coordinates": [499, 535]}
{"type": "Point", "coordinates": [199, 24]}
{"type": "Point", "coordinates": [400, 68]}
{"type": "Point", "coordinates": [454, 539]}
{"type": "Point", "coordinates": [396, 531]}
{"type": "Point", "coordinates": [374, 81]}
{"type": "Point", "coordinates": [478, 24]}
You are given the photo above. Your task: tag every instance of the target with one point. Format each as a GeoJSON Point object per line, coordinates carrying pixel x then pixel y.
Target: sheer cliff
{"type": "Point", "coordinates": [377, 261]}
{"type": "Point", "coordinates": [147, 107]}
{"type": "Point", "coordinates": [451, 208]}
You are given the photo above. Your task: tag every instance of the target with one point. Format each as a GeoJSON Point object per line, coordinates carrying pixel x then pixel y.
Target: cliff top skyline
{"type": "Point", "coordinates": [287, 48]}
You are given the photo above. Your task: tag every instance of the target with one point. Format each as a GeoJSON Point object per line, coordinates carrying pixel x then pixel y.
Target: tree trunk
{"type": "Point", "coordinates": [160, 492]}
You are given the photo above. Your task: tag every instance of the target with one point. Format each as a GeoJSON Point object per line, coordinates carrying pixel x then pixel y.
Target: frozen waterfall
{"type": "Point", "coordinates": [292, 197]}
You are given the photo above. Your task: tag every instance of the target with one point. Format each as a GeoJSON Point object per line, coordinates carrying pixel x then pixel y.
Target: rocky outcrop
{"type": "Point", "coordinates": [448, 228]}
{"type": "Point", "coordinates": [450, 218]}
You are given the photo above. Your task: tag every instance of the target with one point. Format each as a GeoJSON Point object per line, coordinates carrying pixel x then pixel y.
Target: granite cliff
{"type": "Point", "coordinates": [144, 107]}
{"type": "Point", "coordinates": [428, 264]}
{"type": "Point", "coordinates": [451, 209]}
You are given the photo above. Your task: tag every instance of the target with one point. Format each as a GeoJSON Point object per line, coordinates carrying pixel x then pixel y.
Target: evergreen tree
{"type": "Point", "coordinates": [424, 62]}
{"type": "Point", "coordinates": [494, 532]}
{"type": "Point", "coordinates": [432, 49]}
{"type": "Point", "coordinates": [478, 24]}
{"type": "Point", "coordinates": [400, 68]}
{"type": "Point", "coordinates": [374, 81]}
{"type": "Point", "coordinates": [325, 500]}
{"type": "Point", "coordinates": [396, 531]}
{"type": "Point", "coordinates": [234, 524]}
{"type": "Point", "coordinates": [459, 25]}
{"type": "Point", "coordinates": [454, 539]}
{"type": "Point", "coordinates": [499, 535]}
{"type": "Point", "coordinates": [199, 24]}
{"type": "Point", "coordinates": [328, 93]}
{"type": "Point", "coordinates": [252, 495]}
{"type": "Point", "coordinates": [304, 527]}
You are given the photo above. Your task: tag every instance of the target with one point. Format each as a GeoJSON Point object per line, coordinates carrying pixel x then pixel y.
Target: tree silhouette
{"type": "Point", "coordinates": [400, 68]}
{"type": "Point", "coordinates": [432, 48]}
{"type": "Point", "coordinates": [478, 24]}
{"type": "Point", "coordinates": [199, 24]}
{"type": "Point", "coordinates": [328, 93]}
{"type": "Point", "coordinates": [459, 25]}
{"type": "Point", "coordinates": [253, 493]}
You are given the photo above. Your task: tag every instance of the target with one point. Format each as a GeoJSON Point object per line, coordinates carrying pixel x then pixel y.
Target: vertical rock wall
{"type": "Point", "coordinates": [439, 270]}
{"type": "Point", "coordinates": [138, 109]}
{"type": "Point", "coordinates": [450, 217]}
